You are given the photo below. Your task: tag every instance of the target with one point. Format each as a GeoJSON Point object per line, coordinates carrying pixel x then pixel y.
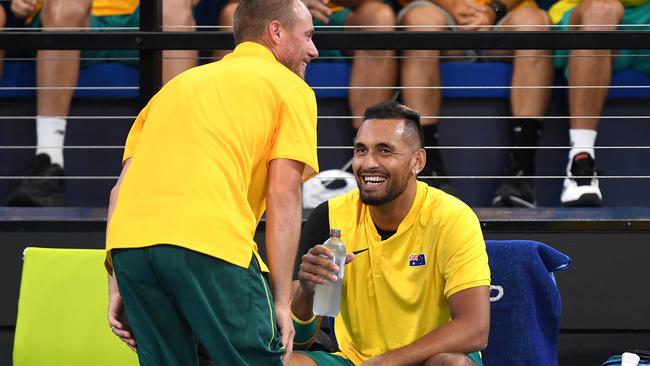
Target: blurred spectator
{"type": "Point", "coordinates": [530, 68]}
{"type": "Point", "coordinates": [60, 68]}
{"type": "Point", "coordinates": [3, 21]}
{"type": "Point", "coordinates": [369, 67]}
{"type": "Point", "coordinates": [225, 19]}
{"type": "Point", "coordinates": [588, 68]}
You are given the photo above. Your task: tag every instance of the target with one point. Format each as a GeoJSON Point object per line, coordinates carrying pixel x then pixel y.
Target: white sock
{"type": "Point", "coordinates": [582, 140]}
{"type": "Point", "coordinates": [50, 134]}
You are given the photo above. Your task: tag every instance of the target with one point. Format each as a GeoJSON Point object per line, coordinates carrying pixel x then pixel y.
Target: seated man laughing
{"type": "Point", "coordinates": [416, 286]}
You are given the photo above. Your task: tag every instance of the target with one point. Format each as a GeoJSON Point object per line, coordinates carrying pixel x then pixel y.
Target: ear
{"type": "Point", "coordinates": [418, 161]}
{"type": "Point", "coordinates": [274, 30]}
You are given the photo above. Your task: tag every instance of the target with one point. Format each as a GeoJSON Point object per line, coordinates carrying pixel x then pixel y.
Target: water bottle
{"type": "Point", "coordinates": [328, 296]}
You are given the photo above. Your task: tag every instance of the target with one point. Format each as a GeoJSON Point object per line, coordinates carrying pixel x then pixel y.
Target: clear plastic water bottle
{"type": "Point", "coordinates": [327, 298]}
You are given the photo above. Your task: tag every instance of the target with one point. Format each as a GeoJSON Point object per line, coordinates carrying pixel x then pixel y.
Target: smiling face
{"type": "Point", "coordinates": [296, 48]}
{"type": "Point", "coordinates": [386, 160]}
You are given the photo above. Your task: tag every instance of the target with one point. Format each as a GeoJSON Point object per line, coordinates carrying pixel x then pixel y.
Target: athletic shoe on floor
{"type": "Point", "coordinates": [40, 192]}
{"type": "Point", "coordinates": [581, 192]}
{"type": "Point", "coordinates": [515, 192]}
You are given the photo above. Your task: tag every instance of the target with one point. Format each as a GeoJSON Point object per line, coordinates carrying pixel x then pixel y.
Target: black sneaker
{"type": "Point", "coordinates": [515, 193]}
{"type": "Point", "coordinates": [581, 192]}
{"type": "Point", "coordinates": [40, 192]}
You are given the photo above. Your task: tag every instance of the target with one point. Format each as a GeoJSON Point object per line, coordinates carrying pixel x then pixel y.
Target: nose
{"type": "Point", "coordinates": [312, 52]}
{"type": "Point", "coordinates": [369, 161]}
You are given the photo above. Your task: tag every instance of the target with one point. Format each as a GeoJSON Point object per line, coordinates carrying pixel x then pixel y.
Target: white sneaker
{"type": "Point", "coordinates": [581, 192]}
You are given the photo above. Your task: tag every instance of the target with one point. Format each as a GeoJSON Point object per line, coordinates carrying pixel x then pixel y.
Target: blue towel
{"type": "Point", "coordinates": [525, 303]}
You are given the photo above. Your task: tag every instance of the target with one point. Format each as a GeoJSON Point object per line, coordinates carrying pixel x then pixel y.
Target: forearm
{"type": "Point", "coordinates": [306, 323]}
{"type": "Point", "coordinates": [112, 284]}
{"type": "Point", "coordinates": [457, 336]}
{"type": "Point", "coordinates": [283, 220]}
{"type": "Point", "coordinates": [302, 304]}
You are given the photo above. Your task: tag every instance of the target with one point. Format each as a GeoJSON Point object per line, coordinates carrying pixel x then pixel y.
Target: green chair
{"type": "Point", "coordinates": [62, 311]}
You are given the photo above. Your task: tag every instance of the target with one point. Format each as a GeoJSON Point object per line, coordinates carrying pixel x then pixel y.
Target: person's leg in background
{"type": "Point", "coordinates": [422, 69]}
{"type": "Point", "coordinates": [178, 17]}
{"type": "Point", "coordinates": [371, 68]}
{"type": "Point", "coordinates": [57, 72]}
{"type": "Point", "coordinates": [225, 19]}
{"type": "Point", "coordinates": [586, 104]}
{"type": "Point", "coordinates": [530, 68]}
{"type": "Point", "coordinates": [3, 22]}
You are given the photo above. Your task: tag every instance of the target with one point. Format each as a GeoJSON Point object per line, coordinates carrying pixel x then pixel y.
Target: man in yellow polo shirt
{"type": "Point", "coordinates": [215, 148]}
{"type": "Point", "coordinates": [416, 289]}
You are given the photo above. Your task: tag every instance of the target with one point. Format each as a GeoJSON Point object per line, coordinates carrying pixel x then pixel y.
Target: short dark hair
{"type": "Point", "coordinates": [253, 16]}
{"type": "Point", "coordinates": [395, 110]}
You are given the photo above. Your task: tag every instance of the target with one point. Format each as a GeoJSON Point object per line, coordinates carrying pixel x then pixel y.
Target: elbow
{"type": "Point", "coordinates": [113, 196]}
{"type": "Point", "coordinates": [481, 335]}
{"type": "Point", "coordinates": [482, 341]}
{"type": "Point", "coordinates": [112, 199]}
{"type": "Point", "coordinates": [476, 336]}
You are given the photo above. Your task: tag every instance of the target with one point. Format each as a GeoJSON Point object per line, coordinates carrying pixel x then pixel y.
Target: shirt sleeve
{"type": "Point", "coordinates": [462, 255]}
{"type": "Point", "coordinates": [296, 135]}
{"type": "Point", "coordinates": [315, 231]}
{"type": "Point", "coordinates": [134, 134]}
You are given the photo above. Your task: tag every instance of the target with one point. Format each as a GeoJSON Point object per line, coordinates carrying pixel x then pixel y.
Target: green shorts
{"type": "Point", "coordinates": [330, 359]}
{"type": "Point", "coordinates": [175, 298]}
{"type": "Point", "coordinates": [90, 57]}
{"type": "Point", "coordinates": [624, 59]}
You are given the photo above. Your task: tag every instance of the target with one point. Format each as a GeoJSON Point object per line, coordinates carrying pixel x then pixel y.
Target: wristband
{"type": "Point", "coordinates": [306, 330]}
{"type": "Point", "coordinates": [499, 8]}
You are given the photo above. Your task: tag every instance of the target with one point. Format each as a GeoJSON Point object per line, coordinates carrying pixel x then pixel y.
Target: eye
{"type": "Point", "coordinates": [385, 150]}
{"type": "Point", "coordinates": [359, 150]}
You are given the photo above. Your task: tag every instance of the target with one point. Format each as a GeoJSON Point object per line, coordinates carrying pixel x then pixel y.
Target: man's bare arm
{"type": "Point", "coordinates": [283, 221]}
{"type": "Point", "coordinates": [116, 315]}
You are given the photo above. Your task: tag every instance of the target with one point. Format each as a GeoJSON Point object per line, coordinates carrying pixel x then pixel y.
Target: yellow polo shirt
{"type": "Point", "coordinates": [200, 152]}
{"type": "Point", "coordinates": [396, 292]}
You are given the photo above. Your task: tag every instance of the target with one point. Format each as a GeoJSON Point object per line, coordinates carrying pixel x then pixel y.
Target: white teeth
{"type": "Point", "coordinates": [374, 179]}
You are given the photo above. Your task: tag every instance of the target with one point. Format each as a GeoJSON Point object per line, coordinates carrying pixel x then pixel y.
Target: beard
{"type": "Point", "coordinates": [391, 192]}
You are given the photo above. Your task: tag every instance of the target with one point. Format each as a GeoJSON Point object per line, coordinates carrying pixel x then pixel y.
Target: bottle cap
{"type": "Point", "coordinates": [630, 359]}
{"type": "Point", "coordinates": [335, 232]}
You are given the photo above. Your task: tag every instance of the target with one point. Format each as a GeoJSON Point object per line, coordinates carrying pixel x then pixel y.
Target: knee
{"type": "Point", "coordinates": [65, 13]}
{"type": "Point", "coordinates": [424, 15]}
{"type": "Point", "coordinates": [447, 359]}
{"type": "Point", "coordinates": [600, 12]}
{"type": "Point", "coordinates": [374, 13]}
{"type": "Point", "coordinates": [178, 12]}
{"type": "Point", "coordinates": [530, 18]}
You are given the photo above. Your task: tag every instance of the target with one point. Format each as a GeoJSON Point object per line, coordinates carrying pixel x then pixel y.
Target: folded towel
{"type": "Point", "coordinates": [525, 303]}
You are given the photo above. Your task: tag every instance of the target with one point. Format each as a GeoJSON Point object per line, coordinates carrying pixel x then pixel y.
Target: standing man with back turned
{"type": "Point", "coordinates": [210, 152]}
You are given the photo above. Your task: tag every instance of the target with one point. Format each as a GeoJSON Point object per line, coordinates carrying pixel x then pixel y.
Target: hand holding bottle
{"type": "Point", "coordinates": [317, 267]}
